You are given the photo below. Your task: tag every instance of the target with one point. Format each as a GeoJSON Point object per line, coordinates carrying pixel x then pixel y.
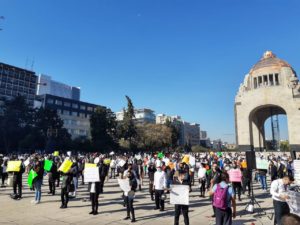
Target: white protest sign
{"type": "Point", "coordinates": [121, 163]}
{"type": "Point", "coordinates": [26, 163]}
{"type": "Point", "coordinates": [91, 174]}
{"type": "Point", "coordinates": [166, 160]}
{"type": "Point", "coordinates": [297, 171]}
{"type": "Point", "coordinates": [179, 195]}
{"type": "Point", "coordinates": [262, 164]}
{"type": "Point", "coordinates": [192, 161]}
{"type": "Point", "coordinates": [294, 202]}
{"type": "Point", "coordinates": [124, 185]}
{"type": "Point", "coordinates": [69, 153]}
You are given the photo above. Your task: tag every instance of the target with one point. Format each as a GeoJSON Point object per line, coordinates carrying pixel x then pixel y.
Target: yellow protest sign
{"type": "Point", "coordinates": [90, 165]}
{"type": "Point", "coordinates": [56, 153]}
{"type": "Point", "coordinates": [171, 165]}
{"type": "Point", "coordinates": [244, 165]}
{"type": "Point", "coordinates": [13, 166]}
{"type": "Point", "coordinates": [66, 166]}
{"type": "Point", "coordinates": [186, 159]}
{"type": "Point", "coordinates": [106, 161]}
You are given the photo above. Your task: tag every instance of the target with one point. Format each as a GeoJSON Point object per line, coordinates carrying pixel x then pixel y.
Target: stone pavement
{"type": "Point", "coordinates": [111, 210]}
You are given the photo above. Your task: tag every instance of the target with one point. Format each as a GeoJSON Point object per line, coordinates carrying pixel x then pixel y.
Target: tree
{"type": "Point", "coordinates": [153, 136]}
{"type": "Point", "coordinates": [127, 126]}
{"type": "Point", "coordinates": [175, 133]}
{"type": "Point", "coordinates": [15, 122]}
{"type": "Point", "coordinates": [103, 129]}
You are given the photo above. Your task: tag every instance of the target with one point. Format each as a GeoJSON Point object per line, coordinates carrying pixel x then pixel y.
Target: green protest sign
{"type": "Point", "coordinates": [31, 176]}
{"type": "Point", "coordinates": [262, 164]}
{"type": "Point", "coordinates": [48, 165]}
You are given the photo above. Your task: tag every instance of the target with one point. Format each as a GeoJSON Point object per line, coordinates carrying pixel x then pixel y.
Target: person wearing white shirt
{"type": "Point", "coordinates": [278, 191]}
{"type": "Point", "coordinates": [159, 185]}
{"type": "Point", "coordinates": [202, 179]}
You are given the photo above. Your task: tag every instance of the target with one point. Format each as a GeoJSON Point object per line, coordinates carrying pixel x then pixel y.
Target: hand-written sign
{"type": "Point", "coordinates": [91, 174]}
{"type": "Point", "coordinates": [235, 175]}
{"type": "Point", "coordinates": [179, 195]}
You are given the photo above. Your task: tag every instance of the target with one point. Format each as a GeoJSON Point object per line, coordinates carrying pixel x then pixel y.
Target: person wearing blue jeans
{"type": "Point", "coordinates": [37, 183]}
{"type": "Point", "coordinates": [38, 190]}
{"type": "Point", "coordinates": [263, 179]}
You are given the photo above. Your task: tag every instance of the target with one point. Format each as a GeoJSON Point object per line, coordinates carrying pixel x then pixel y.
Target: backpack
{"type": "Point", "coordinates": [220, 197]}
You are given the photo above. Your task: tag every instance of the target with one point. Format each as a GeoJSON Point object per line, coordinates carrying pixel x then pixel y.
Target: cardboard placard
{"type": "Point", "coordinates": [235, 175]}
{"type": "Point", "coordinates": [91, 174]}
{"type": "Point", "coordinates": [179, 195]}
{"type": "Point", "coordinates": [90, 165]}
{"type": "Point", "coordinates": [13, 166]}
{"type": "Point", "coordinates": [56, 153]}
{"type": "Point", "coordinates": [262, 164]}
{"type": "Point", "coordinates": [65, 166]}
{"type": "Point", "coordinates": [48, 165]}
{"type": "Point", "coordinates": [124, 185]}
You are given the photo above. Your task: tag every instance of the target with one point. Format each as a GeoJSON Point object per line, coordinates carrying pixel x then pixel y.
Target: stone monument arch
{"type": "Point", "coordinates": [270, 88]}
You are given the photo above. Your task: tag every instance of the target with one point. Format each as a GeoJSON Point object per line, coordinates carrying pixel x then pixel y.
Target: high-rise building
{"type": "Point", "coordinates": [141, 116]}
{"type": "Point", "coordinates": [51, 87]}
{"type": "Point", "coordinates": [15, 81]}
{"type": "Point", "coordinates": [75, 114]}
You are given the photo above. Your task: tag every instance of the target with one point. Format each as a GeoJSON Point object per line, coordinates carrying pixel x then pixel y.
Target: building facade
{"type": "Point", "coordinates": [15, 81]}
{"type": "Point", "coordinates": [270, 88]}
{"type": "Point", "coordinates": [51, 87]}
{"type": "Point", "coordinates": [75, 114]}
{"type": "Point", "coordinates": [141, 116]}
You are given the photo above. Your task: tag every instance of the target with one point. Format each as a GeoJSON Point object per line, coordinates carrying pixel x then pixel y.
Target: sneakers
{"type": "Point", "coordinates": [127, 218]}
{"type": "Point", "coordinates": [35, 202]}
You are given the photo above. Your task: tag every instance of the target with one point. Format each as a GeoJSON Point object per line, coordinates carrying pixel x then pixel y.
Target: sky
{"type": "Point", "coordinates": [178, 57]}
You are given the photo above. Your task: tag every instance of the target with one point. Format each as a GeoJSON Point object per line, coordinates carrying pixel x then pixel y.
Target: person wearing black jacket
{"type": "Point", "coordinates": [151, 171]}
{"type": "Point", "coordinates": [17, 183]}
{"type": "Point", "coordinates": [103, 173]}
{"type": "Point", "coordinates": [246, 180]}
{"type": "Point", "coordinates": [94, 189]}
{"type": "Point", "coordinates": [130, 196]}
{"type": "Point", "coordinates": [65, 189]}
{"type": "Point", "coordinates": [181, 180]}
{"type": "Point", "coordinates": [52, 174]}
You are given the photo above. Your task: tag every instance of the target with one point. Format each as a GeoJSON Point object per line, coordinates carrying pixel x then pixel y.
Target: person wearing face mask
{"type": "Point", "coordinates": [237, 186]}
{"type": "Point", "coordinates": [159, 185]}
{"type": "Point", "coordinates": [278, 191]}
{"type": "Point", "coordinates": [129, 196]}
{"type": "Point", "coordinates": [151, 171]}
{"type": "Point", "coordinates": [181, 180]}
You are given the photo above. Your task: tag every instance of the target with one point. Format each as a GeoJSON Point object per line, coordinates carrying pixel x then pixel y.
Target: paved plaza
{"type": "Point", "coordinates": [111, 210]}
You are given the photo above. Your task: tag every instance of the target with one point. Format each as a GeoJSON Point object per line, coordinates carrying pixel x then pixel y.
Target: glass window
{"type": "Point", "coordinates": [89, 108]}
{"type": "Point", "coordinates": [67, 104]}
{"type": "Point", "coordinates": [74, 105]}
{"type": "Point", "coordinates": [66, 112]}
{"type": "Point", "coordinates": [271, 79]}
{"type": "Point", "coordinates": [82, 115]}
{"type": "Point", "coordinates": [276, 79]}
{"type": "Point", "coordinates": [58, 102]}
{"type": "Point", "coordinates": [50, 101]}
{"type": "Point", "coordinates": [74, 113]}
{"type": "Point", "coordinates": [82, 107]}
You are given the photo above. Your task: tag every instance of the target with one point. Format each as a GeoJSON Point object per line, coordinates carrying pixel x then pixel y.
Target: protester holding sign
{"type": "Point", "coordinates": [38, 167]}
{"type": "Point", "coordinates": [235, 176]}
{"type": "Point", "coordinates": [129, 196]}
{"type": "Point", "coordinates": [92, 175]}
{"type": "Point", "coordinates": [65, 188]}
{"type": "Point", "coordinates": [17, 169]}
{"type": "Point", "coordinates": [279, 192]}
{"type": "Point", "coordinates": [51, 167]}
{"type": "Point", "coordinates": [184, 209]}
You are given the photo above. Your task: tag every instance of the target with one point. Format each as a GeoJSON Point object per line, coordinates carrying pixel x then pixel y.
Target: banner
{"type": "Point", "coordinates": [56, 153]}
{"type": "Point", "coordinates": [262, 164]}
{"type": "Point", "coordinates": [66, 166]}
{"type": "Point", "coordinates": [235, 175]}
{"type": "Point", "coordinates": [48, 165]}
{"type": "Point", "coordinates": [31, 176]}
{"type": "Point", "coordinates": [179, 195]}
{"type": "Point", "coordinates": [89, 165]}
{"type": "Point", "coordinates": [13, 166]}
{"type": "Point", "coordinates": [124, 185]}
{"type": "Point", "coordinates": [91, 174]}
{"type": "Point", "coordinates": [297, 171]}
{"type": "Point", "coordinates": [294, 202]}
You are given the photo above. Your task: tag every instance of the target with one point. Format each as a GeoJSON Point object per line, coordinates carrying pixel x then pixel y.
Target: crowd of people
{"type": "Point", "coordinates": [211, 170]}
